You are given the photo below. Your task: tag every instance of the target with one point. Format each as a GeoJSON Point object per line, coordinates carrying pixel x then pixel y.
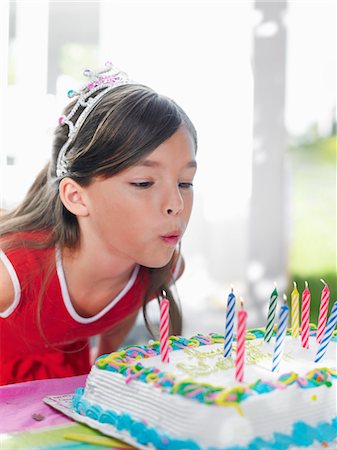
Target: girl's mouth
{"type": "Point", "coordinates": [171, 238]}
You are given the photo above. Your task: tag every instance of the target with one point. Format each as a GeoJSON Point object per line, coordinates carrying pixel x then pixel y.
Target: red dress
{"type": "Point", "coordinates": [55, 342]}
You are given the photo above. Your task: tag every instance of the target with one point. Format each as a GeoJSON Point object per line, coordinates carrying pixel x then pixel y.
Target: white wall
{"type": "Point", "coordinates": [200, 53]}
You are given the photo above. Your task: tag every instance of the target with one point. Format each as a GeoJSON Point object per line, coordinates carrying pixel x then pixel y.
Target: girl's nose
{"type": "Point", "coordinates": [175, 203]}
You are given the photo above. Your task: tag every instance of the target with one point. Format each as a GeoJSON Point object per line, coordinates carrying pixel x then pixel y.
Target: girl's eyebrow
{"type": "Point", "coordinates": [152, 163]}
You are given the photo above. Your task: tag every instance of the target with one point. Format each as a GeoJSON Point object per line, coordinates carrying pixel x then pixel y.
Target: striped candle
{"type": "Point", "coordinates": [295, 331]}
{"type": "Point", "coordinates": [240, 344]}
{"type": "Point", "coordinates": [271, 315]}
{"type": "Point", "coordinates": [229, 324]}
{"type": "Point", "coordinates": [305, 316]}
{"type": "Point", "coordinates": [323, 312]}
{"type": "Point", "coordinates": [280, 336]}
{"type": "Point", "coordinates": [327, 335]}
{"type": "Point", "coordinates": [164, 329]}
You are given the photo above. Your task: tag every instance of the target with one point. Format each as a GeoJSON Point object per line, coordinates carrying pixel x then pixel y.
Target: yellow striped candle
{"type": "Point", "coordinates": [295, 330]}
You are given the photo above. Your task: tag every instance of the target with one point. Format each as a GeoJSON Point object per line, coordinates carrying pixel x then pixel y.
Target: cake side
{"type": "Point", "coordinates": [130, 390]}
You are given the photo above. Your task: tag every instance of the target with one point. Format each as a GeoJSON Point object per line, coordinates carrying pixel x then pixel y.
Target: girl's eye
{"type": "Point", "coordinates": [142, 184]}
{"type": "Point", "coordinates": [186, 185]}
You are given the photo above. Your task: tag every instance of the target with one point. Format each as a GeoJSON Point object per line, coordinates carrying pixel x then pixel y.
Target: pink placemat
{"type": "Point", "coordinates": [20, 402]}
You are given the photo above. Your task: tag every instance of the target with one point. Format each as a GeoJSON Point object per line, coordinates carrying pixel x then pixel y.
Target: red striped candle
{"type": "Point", "coordinates": [164, 329]}
{"type": "Point", "coordinates": [305, 316]}
{"type": "Point", "coordinates": [240, 344]}
{"type": "Point", "coordinates": [323, 312]}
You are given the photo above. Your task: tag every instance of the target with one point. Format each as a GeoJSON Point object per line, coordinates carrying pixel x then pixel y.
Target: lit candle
{"type": "Point", "coordinates": [327, 335]}
{"type": "Point", "coordinates": [323, 311]}
{"type": "Point", "coordinates": [240, 344]}
{"type": "Point", "coordinates": [280, 335]}
{"type": "Point", "coordinates": [164, 328]}
{"type": "Point", "coordinates": [295, 312]}
{"type": "Point", "coordinates": [271, 315]}
{"type": "Point", "coordinates": [305, 316]}
{"type": "Point", "coordinates": [229, 324]}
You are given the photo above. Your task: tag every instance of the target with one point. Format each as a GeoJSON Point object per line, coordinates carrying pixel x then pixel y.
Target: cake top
{"type": "Point", "coordinates": [198, 370]}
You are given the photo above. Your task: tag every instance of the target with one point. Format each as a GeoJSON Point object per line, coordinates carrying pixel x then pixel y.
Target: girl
{"type": "Point", "coordinates": [98, 233]}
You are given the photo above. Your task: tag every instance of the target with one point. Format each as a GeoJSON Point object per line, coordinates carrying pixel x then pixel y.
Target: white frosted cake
{"type": "Point", "coordinates": [193, 402]}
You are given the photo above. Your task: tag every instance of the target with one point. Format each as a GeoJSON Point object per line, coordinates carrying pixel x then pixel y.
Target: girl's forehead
{"type": "Point", "coordinates": [180, 146]}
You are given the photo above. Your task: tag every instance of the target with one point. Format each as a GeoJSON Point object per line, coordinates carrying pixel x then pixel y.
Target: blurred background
{"type": "Point", "coordinates": [258, 80]}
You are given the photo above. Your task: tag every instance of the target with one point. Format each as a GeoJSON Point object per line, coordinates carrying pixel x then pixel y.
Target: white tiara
{"type": "Point", "coordinates": [102, 80]}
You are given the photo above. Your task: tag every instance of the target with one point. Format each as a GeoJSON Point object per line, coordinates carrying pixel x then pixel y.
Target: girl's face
{"type": "Point", "coordinates": [140, 214]}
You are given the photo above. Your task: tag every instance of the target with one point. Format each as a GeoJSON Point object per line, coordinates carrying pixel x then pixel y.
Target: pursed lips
{"type": "Point", "coordinates": [171, 237]}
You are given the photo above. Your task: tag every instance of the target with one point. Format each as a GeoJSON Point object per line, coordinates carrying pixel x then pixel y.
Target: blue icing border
{"type": "Point", "coordinates": [302, 434]}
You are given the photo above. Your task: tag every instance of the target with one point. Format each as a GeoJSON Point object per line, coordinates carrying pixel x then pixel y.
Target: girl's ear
{"type": "Point", "coordinates": [73, 197]}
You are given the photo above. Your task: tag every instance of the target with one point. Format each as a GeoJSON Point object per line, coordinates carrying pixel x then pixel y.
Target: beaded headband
{"type": "Point", "coordinates": [102, 80]}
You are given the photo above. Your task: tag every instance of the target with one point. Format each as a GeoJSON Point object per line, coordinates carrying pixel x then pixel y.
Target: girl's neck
{"type": "Point", "coordinates": [94, 277]}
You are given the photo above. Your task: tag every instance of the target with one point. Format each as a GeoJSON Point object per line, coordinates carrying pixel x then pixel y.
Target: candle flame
{"type": "Point", "coordinates": [163, 293]}
{"type": "Point", "coordinates": [242, 303]}
{"type": "Point", "coordinates": [295, 285]}
{"type": "Point", "coordinates": [306, 284]}
{"type": "Point", "coordinates": [323, 281]}
{"type": "Point", "coordinates": [232, 288]}
{"type": "Point", "coordinates": [284, 298]}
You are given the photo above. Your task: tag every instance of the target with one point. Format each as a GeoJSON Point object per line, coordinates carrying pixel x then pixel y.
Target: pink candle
{"type": "Point", "coordinates": [305, 316]}
{"type": "Point", "coordinates": [323, 312]}
{"type": "Point", "coordinates": [240, 344]}
{"type": "Point", "coordinates": [164, 328]}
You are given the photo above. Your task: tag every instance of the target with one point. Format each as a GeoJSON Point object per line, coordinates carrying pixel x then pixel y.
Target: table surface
{"type": "Point", "coordinates": [28, 423]}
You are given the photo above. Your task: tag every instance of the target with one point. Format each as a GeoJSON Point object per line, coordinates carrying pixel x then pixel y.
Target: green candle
{"type": "Point", "coordinates": [271, 315]}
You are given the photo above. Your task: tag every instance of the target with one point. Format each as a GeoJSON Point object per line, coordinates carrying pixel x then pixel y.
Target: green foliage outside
{"type": "Point", "coordinates": [313, 212]}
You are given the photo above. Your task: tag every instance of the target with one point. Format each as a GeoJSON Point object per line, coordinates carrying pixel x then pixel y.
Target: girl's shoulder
{"type": "Point", "coordinates": [25, 239]}
{"type": "Point", "coordinates": [23, 257]}
{"type": "Point", "coordinates": [7, 291]}
{"type": "Point", "coordinates": [26, 251]}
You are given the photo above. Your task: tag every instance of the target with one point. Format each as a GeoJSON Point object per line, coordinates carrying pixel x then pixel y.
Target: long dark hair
{"type": "Point", "coordinates": [128, 122]}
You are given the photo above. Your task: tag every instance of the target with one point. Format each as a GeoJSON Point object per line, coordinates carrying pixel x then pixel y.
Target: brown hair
{"type": "Point", "coordinates": [128, 122]}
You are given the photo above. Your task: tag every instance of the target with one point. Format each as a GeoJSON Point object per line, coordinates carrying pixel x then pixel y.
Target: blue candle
{"type": "Point", "coordinates": [229, 324]}
{"type": "Point", "coordinates": [280, 335]}
{"type": "Point", "coordinates": [329, 329]}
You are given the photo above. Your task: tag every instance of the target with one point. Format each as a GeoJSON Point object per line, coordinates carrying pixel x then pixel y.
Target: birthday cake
{"type": "Point", "coordinates": [193, 402]}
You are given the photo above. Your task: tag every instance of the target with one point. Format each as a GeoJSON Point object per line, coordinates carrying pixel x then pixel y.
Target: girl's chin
{"type": "Point", "coordinates": [158, 263]}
